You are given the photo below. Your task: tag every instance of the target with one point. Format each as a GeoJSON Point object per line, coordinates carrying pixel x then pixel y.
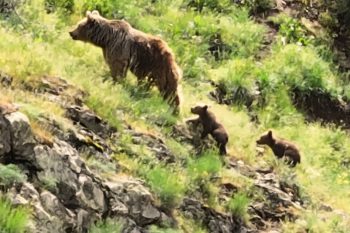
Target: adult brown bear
{"type": "Point", "coordinates": [126, 48]}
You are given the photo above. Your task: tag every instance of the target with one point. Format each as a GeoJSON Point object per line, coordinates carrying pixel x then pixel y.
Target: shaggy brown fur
{"type": "Point", "coordinates": [126, 48]}
{"type": "Point", "coordinates": [211, 126]}
{"type": "Point", "coordinates": [280, 147]}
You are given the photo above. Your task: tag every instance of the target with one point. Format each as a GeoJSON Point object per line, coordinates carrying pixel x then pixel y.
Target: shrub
{"type": "Point", "coordinates": [207, 165]}
{"type": "Point", "coordinates": [259, 6]}
{"type": "Point", "coordinates": [10, 174]}
{"type": "Point", "coordinates": [238, 205]}
{"type": "Point", "coordinates": [12, 220]}
{"type": "Point", "coordinates": [214, 5]}
{"type": "Point", "coordinates": [63, 6]}
{"type": "Point", "coordinates": [167, 184]}
{"type": "Point", "coordinates": [50, 183]}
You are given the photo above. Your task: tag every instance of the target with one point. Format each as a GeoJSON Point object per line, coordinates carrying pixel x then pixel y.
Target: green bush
{"type": "Point", "coordinates": [214, 5]}
{"type": "Point", "coordinates": [170, 186]}
{"type": "Point", "coordinates": [238, 205]}
{"type": "Point", "coordinates": [64, 6]}
{"type": "Point", "coordinates": [11, 174]}
{"type": "Point", "coordinates": [12, 220]}
{"type": "Point", "coordinates": [107, 226]}
{"type": "Point", "coordinates": [204, 167]}
{"type": "Point", "coordinates": [259, 6]}
{"type": "Point", "coordinates": [300, 66]}
{"type": "Point", "coordinates": [50, 183]}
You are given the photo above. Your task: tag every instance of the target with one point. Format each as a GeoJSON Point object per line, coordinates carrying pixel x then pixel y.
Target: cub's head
{"type": "Point", "coordinates": [86, 27]}
{"type": "Point", "coordinates": [199, 110]}
{"type": "Point", "coordinates": [265, 139]}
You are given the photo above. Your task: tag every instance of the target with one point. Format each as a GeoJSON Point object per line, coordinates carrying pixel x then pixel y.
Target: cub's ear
{"type": "Point", "coordinates": [269, 134]}
{"type": "Point", "coordinates": [95, 12]}
{"type": "Point", "coordinates": [205, 107]}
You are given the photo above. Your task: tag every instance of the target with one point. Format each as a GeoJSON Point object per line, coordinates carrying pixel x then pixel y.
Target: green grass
{"type": "Point", "coordinates": [13, 220]}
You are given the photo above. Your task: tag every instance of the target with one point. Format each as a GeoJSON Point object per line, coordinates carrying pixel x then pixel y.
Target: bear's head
{"type": "Point", "coordinates": [266, 139]}
{"type": "Point", "coordinates": [86, 27]}
{"type": "Point", "coordinates": [199, 110]}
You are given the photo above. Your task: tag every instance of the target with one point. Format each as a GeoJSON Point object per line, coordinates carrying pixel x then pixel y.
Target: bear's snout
{"type": "Point", "coordinates": [74, 37]}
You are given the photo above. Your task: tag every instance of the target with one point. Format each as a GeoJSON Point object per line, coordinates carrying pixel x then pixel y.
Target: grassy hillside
{"type": "Point", "coordinates": [35, 43]}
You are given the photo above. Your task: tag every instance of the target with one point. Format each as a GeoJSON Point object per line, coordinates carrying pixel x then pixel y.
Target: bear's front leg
{"type": "Point", "coordinates": [204, 134]}
{"type": "Point", "coordinates": [119, 70]}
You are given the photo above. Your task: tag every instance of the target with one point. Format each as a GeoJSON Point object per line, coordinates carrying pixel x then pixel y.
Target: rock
{"type": "Point", "coordinates": [8, 6]}
{"type": "Point", "coordinates": [5, 79]}
{"type": "Point", "coordinates": [22, 139]}
{"type": "Point", "coordinates": [215, 222]}
{"type": "Point", "coordinates": [5, 137]}
{"type": "Point", "coordinates": [89, 120]}
{"type": "Point", "coordinates": [91, 195]}
{"type": "Point", "coordinates": [76, 197]}
{"type": "Point", "coordinates": [46, 219]}
{"type": "Point", "coordinates": [138, 199]}
{"type": "Point", "coordinates": [154, 144]}
{"type": "Point", "coordinates": [55, 165]}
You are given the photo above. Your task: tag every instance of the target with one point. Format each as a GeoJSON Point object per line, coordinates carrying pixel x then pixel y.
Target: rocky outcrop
{"type": "Point", "coordinates": [64, 194]}
{"type": "Point", "coordinates": [214, 221]}
{"type": "Point", "coordinates": [8, 6]}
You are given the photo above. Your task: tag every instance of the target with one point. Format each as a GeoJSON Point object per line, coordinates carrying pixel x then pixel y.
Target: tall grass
{"type": "Point", "coordinates": [13, 220]}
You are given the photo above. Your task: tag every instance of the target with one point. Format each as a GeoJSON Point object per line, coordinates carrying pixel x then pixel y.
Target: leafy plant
{"type": "Point", "coordinates": [13, 220]}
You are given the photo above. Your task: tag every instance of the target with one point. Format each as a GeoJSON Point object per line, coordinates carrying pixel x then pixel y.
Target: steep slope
{"type": "Point", "coordinates": [114, 151]}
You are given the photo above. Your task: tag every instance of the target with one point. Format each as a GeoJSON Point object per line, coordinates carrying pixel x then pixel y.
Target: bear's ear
{"type": "Point", "coordinates": [90, 16]}
{"type": "Point", "coordinates": [269, 134]}
{"type": "Point", "coordinates": [95, 12]}
{"type": "Point", "coordinates": [205, 107]}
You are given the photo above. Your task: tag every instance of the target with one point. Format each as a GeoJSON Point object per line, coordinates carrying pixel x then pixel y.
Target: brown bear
{"type": "Point", "coordinates": [126, 48]}
{"type": "Point", "coordinates": [280, 147]}
{"type": "Point", "coordinates": [211, 126]}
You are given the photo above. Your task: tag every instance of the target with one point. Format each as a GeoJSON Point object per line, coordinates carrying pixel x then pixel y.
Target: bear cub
{"type": "Point", "coordinates": [280, 147]}
{"type": "Point", "coordinates": [211, 126]}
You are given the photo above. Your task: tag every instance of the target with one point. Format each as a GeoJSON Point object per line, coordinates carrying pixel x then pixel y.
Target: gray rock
{"type": "Point", "coordinates": [89, 120]}
{"type": "Point", "coordinates": [5, 79]}
{"type": "Point", "coordinates": [138, 200]}
{"type": "Point", "coordinates": [215, 222]}
{"type": "Point", "coordinates": [91, 195]}
{"type": "Point", "coordinates": [5, 137]}
{"type": "Point", "coordinates": [22, 139]}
